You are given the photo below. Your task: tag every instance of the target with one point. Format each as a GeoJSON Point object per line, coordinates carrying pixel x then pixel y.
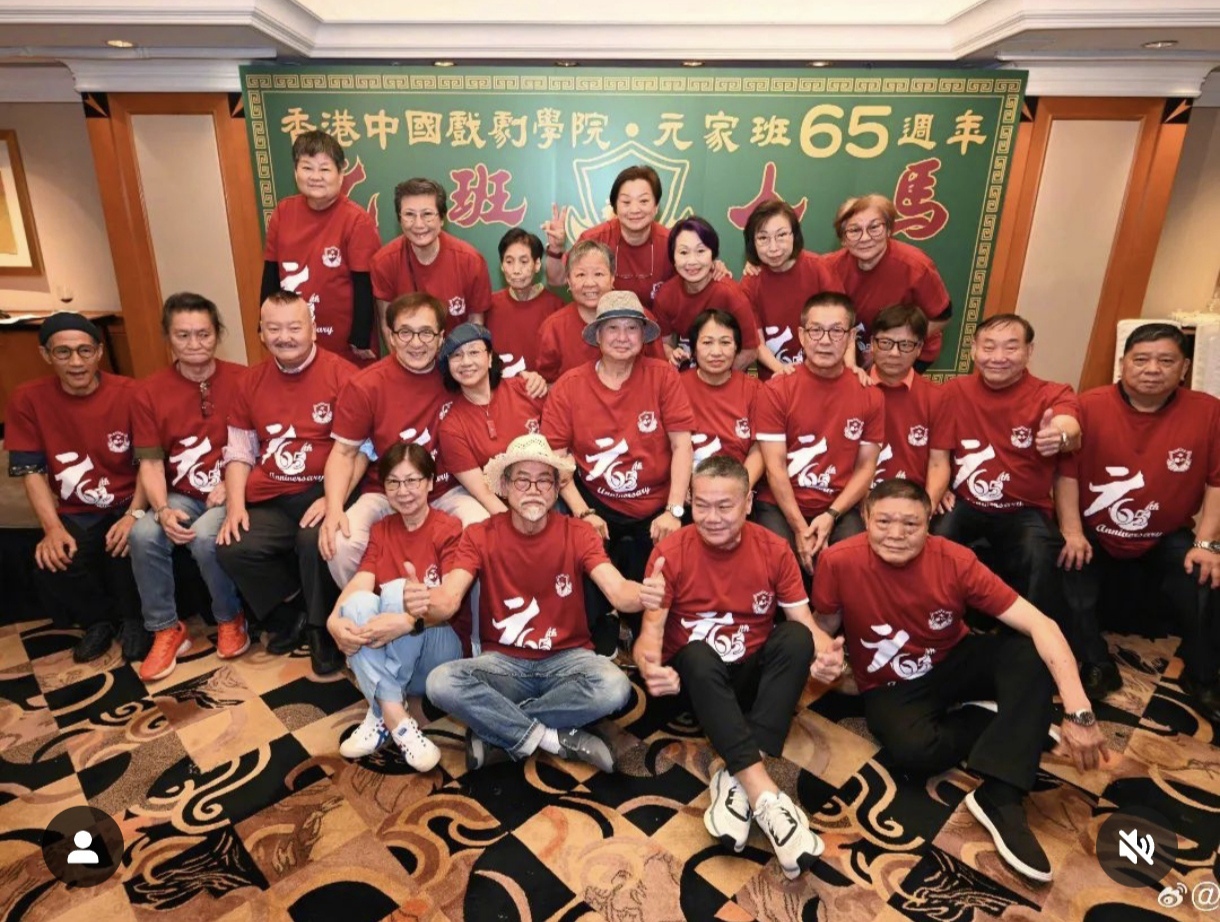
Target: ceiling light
{"type": "Point", "coordinates": [818, 64]}
{"type": "Point", "coordinates": [565, 63]}
{"type": "Point", "coordinates": [692, 63]}
{"type": "Point", "coordinates": [120, 43]}
{"type": "Point", "coordinates": [442, 63]}
{"type": "Point", "coordinates": [1161, 43]}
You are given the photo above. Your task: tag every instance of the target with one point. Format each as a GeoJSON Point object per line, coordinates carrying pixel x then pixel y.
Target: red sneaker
{"type": "Point", "coordinates": [232, 638]}
{"type": "Point", "coordinates": [167, 646]}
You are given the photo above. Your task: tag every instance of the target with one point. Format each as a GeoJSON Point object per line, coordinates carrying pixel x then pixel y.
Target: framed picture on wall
{"type": "Point", "coordinates": [19, 253]}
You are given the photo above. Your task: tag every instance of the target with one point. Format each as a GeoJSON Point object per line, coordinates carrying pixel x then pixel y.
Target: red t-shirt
{"type": "Point", "coordinates": [724, 414]}
{"type": "Point", "coordinates": [726, 598]}
{"type": "Point", "coordinates": [620, 439]}
{"type": "Point", "coordinates": [86, 440]}
{"type": "Point", "coordinates": [676, 310]}
{"type": "Point", "coordinates": [168, 415]}
{"type": "Point", "coordinates": [291, 413]}
{"type": "Point", "coordinates": [458, 277]}
{"type": "Point", "coordinates": [561, 344]}
{"type": "Point", "coordinates": [995, 465]}
{"type": "Point", "coordinates": [641, 268]}
{"type": "Point", "coordinates": [899, 622]}
{"type": "Point", "coordinates": [914, 426]}
{"type": "Point", "coordinates": [822, 422]}
{"type": "Point", "coordinates": [905, 274]}
{"type": "Point", "coordinates": [431, 549]}
{"type": "Point", "coordinates": [470, 435]}
{"type": "Point", "coordinates": [532, 602]}
{"type": "Point", "coordinates": [514, 327]}
{"type": "Point", "coordinates": [1143, 475]}
{"type": "Point", "coordinates": [388, 403]}
{"type": "Point", "coordinates": [778, 299]}
{"type": "Point", "coordinates": [317, 252]}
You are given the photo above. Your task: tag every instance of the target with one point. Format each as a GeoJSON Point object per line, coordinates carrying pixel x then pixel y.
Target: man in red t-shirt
{"type": "Point", "coordinates": [1150, 464]}
{"type": "Point", "coordinates": [1008, 429]}
{"type": "Point", "coordinates": [537, 681]}
{"type": "Point", "coordinates": [427, 260]}
{"type": "Point", "coordinates": [320, 245]}
{"type": "Point", "coordinates": [519, 309]}
{"type": "Point", "coordinates": [820, 431]}
{"type": "Point", "coordinates": [69, 440]}
{"type": "Point", "coordinates": [917, 440]}
{"type": "Point", "coordinates": [900, 597]}
{"type": "Point", "coordinates": [716, 631]}
{"type": "Point", "coordinates": [279, 439]}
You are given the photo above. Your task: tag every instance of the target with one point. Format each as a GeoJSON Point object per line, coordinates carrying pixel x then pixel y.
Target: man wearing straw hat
{"type": "Point", "coordinates": [538, 681]}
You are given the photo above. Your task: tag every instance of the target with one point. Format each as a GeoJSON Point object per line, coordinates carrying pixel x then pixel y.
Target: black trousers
{"type": "Point", "coordinates": [1025, 544]}
{"type": "Point", "coordinates": [277, 557]}
{"type": "Point", "coordinates": [767, 684]}
{"type": "Point", "coordinates": [912, 721]}
{"type": "Point", "coordinates": [96, 587]}
{"type": "Point", "coordinates": [1191, 606]}
{"type": "Point", "coordinates": [629, 548]}
{"type": "Point", "coordinates": [771, 517]}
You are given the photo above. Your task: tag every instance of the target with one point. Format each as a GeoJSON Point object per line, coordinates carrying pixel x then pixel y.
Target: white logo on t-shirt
{"type": "Point", "coordinates": [887, 454]}
{"type": "Point", "coordinates": [706, 625]}
{"type": "Point", "coordinates": [72, 480]}
{"type": "Point", "coordinates": [940, 619]}
{"type": "Point", "coordinates": [515, 630]}
{"type": "Point", "coordinates": [321, 413]}
{"type": "Point", "coordinates": [119, 442]}
{"type": "Point", "coordinates": [802, 462]}
{"type": "Point", "coordinates": [1113, 496]}
{"type": "Point", "coordinates": [917, 436]}
{"type": "Point", "coordinates": [294, 279]}
{"type": "Point", "coordinates": [762, 601]}
{"type": "Point", "coordinates": [187, 462]}
{"type": "Point", "coordinates": [457, 306]}
{"type": "Point", "coordinates": [432, 578]}
{"type": "Point", "coordinates": [415, 437]}
{"type": "Point", "coordinates": [888, 648]}
{"type": "Point", "coordinates": [563, 585]}
{"type": "Point", "coordinates": [854, 429]}
{"type": "Point", "coordinates": [777, 339]}
{"type": "Point", "coordinates": [1022, 437]}
{"type": "Point", "coordinates": [741, 428]}
{"type": "Point", "coordinates": [647, 421]}
{"type": "Point", "coordinates": [331, 258]}
{"type": "Point", "coordinates": [511, 367]}
{"type": "Point", "coordinates": [970, 470]}
{"type": "Point", "coordinates": [606, 464]}
{"type": "Point", "coordinates": [1179, 460]}
{"type": "Point", "coordinates": [704, 446]}
{"type": "Point", "coordinates": [290, 463]}
{"type": "Point", "coordinates": [532, 426]}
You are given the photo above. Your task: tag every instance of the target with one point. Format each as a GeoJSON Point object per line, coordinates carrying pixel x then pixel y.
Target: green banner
{"type": "Point", "coordinates": [509, 141]}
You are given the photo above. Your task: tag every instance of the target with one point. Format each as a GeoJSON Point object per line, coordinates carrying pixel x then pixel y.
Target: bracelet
{"type": "Point", "coordinates": [157, 512]}
{"type": "Point", "coordinates": [835, 514]}
{"type": "Point", "coordinates": [551, 253]}
{"type": "Point", "coordinates": [588, 512]}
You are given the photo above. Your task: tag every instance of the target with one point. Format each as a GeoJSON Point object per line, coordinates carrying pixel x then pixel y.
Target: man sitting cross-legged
{"type": "Point", "coordinates": [742, 672]}
{"type": "Point", "coordinates": [538, 681]}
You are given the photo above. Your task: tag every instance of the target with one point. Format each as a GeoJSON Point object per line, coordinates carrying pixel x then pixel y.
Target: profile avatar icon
{"type": "Point", "coordinates": [83, 854]}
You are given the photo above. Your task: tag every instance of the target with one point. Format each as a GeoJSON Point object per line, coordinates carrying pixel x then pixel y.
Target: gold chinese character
{"type": "Point", "coordinates": [296, 122]}
{"type": "Point", "coordinates": [549, 127]}
{"type": "Point", "coordinates": [379, 125]}
{"type": "Point", "coordinates": [768, 131]}
{"type": "Point", "coordinates": [503, 124]}
{"type": "Point", "coordinates": [917, 130]}
{"type": "Point", "coordinates": [464, 129]}
{"type": "Point", "coordinates": [966, 130]}
{"type": "Point", "coordinates": [423, 127]}
{"type": "Point", "coordinates": [720, 131]}
{"type": "Point", "coordinates": [671, 124]}
{"type": "Point", "coordinates": [591, 124]}
{"type": "Point", "coordinates": [341, 125]}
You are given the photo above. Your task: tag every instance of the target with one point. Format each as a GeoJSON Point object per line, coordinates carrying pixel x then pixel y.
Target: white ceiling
{"type": "Point", "coordinates": [184, 44]}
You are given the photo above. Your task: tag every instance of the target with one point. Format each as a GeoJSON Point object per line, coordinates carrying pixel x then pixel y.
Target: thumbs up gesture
{"type": "Point", "coordinates": [1049, 440]}
{"type": "Point", "coordinates": [660, 680]}
{"type": "Point", "coordinates": [828, 663]}
{"type": "Point", "coordinates": [652, 589]}
{"type": "Point", "coordinates": [416, 598]}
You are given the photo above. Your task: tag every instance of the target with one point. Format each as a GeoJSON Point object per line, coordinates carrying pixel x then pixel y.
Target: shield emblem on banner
{"type": "Point", "coordinates": [595, 175]}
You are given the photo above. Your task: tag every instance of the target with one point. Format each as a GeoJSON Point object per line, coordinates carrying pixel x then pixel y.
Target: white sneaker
{"type": "Point", "coordinates": [728, 817]}
{"type": "Point", "coordinates": [785, 824]}
{"type": "Point", "coordinates": [419, 751]}
{"type": "Point", "coordinates": [367, 738]}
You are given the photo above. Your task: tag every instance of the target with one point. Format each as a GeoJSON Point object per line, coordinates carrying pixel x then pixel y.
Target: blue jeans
{"type": "Point", "coordinates": [153, 566]}
{"type": "Point", "coordinates": [402, 666]}
{"type": "Point", "coordinates": [510, 701]}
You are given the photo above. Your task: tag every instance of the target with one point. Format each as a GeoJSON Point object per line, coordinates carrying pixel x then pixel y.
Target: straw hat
{"type": "Point", "coordinates": [531, 447]}
{"type": "Point", "coordinates": [615, 305]}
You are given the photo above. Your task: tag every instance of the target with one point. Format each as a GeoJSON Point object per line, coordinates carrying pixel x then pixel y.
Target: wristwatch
{"type": "Point", "coordinates": [1063, 440]}
{"type": "Point", "coordinates": [553, 254]}
{"type": "Point", "coordinates": [1213, 546]}
{"type": "Point", "coordinates": [136, 514]}
{"type": "Point", "coordinates": [418, 626]}
{"type": "Point", "coordinates": [588, 512]}
{"type": "Point", "coordinates": [677, 511]}
{"type": "Point", "coordinates": [1085, 718]}
{"type": "Point", "coordinates": [834, 514]}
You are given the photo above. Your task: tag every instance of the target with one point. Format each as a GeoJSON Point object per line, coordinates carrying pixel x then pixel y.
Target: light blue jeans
{"type": "Point", "coordinates": [402, 666]}
{"type": "Point", "coordinates": [153, 566]}
{"type": "Point", "coordinates": [509, 701]}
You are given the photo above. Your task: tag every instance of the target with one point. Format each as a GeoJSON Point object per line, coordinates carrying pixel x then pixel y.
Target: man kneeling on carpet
{"type": "Point", "coordinates": [742, 672]}
{"type": "Point", "coordinates": [390, 650]}
{"type": "Point", "coordinates": [537, 682]}
{"type": "Point", "coordinates": [900, 596]}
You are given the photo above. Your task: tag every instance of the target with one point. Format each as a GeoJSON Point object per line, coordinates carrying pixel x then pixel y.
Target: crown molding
{"type": "Point", "coordinates": [157, 75]}
{"type": "Point", "coordinates": [1112, 77]}
{"type": "Point", "coordinates": [38, 83]}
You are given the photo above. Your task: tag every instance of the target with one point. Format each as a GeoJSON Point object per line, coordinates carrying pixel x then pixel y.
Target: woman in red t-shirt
{"type": "Point", "coordinates": [390, 651]}
{"type": "Point", "coordinates": [721, 396]}
{"type": "Point", "coordinates": [489, 412]}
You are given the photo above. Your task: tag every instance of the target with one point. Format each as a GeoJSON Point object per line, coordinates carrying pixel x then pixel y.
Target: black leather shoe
{"type": "Point", "coordinates": [134, 640]}
{"type": "Point", "coordinates": [324, 656]}
{"type": "Point", "coordinates": [1206, 698]}
{"type": "Point", "coordinates": [287, 638]}
{"type": "Point", "coordinates": [1100, 679]}
{"type": "Point", "coordinates": [95, 642]}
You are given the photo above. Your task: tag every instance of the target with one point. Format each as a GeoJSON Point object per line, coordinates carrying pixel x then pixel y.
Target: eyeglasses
{"type": "Point", "coordinates": [394, 484]}
{"type": "Point", "coordinates": [855, 232]}
{"type": "Point", "coordinates": [425, 217]}
{"type": "Point", "coordinates": [473, 352]}
{"type": "Point", "coordinates": [816, 333]}
{"type": "Point", "coordinates": [522, 484]}
{"type": "Point", "coordinates": [405, 334]}
{"type": "Point", "coordinates": [782, 238]}
{"type": "Point", "coordinates": [905, 346]}
{"type": "Point", "coordinates": [652, 265]}
{"type": "Point", "coordinates": [205, 399]}
{"type": "Point", "coordinates": [65, 353]}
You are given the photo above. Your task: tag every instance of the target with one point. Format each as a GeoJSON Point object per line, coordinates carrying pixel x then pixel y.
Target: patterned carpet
{"type": "Point", "coordinates": [235, 804]}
